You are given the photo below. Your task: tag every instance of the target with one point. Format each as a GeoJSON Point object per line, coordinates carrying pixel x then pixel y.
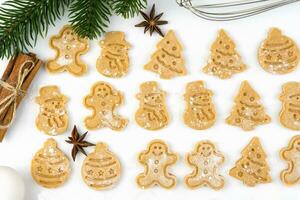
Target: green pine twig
{"type": "Point", "coordinates": [22, 21]}
{"type": "Point", "coordinates": [89, 18]}
{"type": "Point", "coordinates": [127, 8]}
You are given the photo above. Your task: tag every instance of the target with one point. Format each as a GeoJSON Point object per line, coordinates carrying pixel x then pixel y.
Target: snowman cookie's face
{"type": "Point", "coordinates": [102, 91]}
{"type": "Point", "coordinates": [158, 149]}
{"type": "Point", "coordinates": [117, 49]}
{"type": "Point", "coordinates": [54, 104]}
{"type": "Point", "coordinates": [200, 99]}
{"type": "Point", "coordinates": [153, 99]}
{"type": "Point", "coordinates": [294, 98]}
{"type": "Point", "coordinates": [296, 144]}
{"type": "Point", "coordinates": [206, 149]}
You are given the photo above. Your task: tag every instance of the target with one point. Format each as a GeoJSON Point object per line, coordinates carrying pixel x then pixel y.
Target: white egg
{"type": "Point", "coordinates": [11, 184]}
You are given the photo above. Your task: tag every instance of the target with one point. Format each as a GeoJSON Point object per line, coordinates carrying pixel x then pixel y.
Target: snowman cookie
{"type": "Point", "coordinates": [291, 154]}
{"type": "Point", "coordinates": [152, 113]}
{"type": "Point", "coordinates": [103, 100]}
{"type": "Point", "coordinates": [114, 59]}
{"type": "Point", "coordinates": [156, 160]}
{"type": "Point", "coordinates": [53, 118]}
{"type": "Point", "coordinates": [50, 167]}
{"type": "Point", "coordinates": [290, 112]}
{"type": "Point", "coordinates": [278, 54]}
{"type": "Point", "coordinates": [206, 160]}
{"type": "Point", "coordinates": [101, 169]}
{"type": "Point", "coordinates": [68, 48]}
{"type": "Point", "coordinates": [200, 111]}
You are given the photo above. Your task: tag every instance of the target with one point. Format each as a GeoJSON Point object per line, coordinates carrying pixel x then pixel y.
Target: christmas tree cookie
{"type": "Point", "coordinates": [200, 111]}
{"type": "Point", "coordinates": [167, 61]}
{"type": "Point", "coordinates": [290, 112]}
{"type": "Point", "coordinates": [205, 160]}
{"type": "Point", "coordinates": [224, 61]}
{"type": "Point", "coordinates": [291, 154]}
{"type": "Point", "coordinates": [248, 111]}
{"type": "Point", "coordinates": [101, 169]}
{"type": "Point", "coordinates": [114, 60]}
{"type": "Point", "coordinates": [252, 168]}
{"type": "Point", "coordinates": [278, 54]}
{"type": "Point", "coordinates": [50, 167]}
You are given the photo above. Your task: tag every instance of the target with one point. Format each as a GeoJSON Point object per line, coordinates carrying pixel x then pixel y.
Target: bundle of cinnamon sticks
{"type": "Point", "coordinates": [11, 76]}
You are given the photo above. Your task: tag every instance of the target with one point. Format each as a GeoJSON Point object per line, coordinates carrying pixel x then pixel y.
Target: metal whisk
{"type": "Point", "coordinates": [226, 11]}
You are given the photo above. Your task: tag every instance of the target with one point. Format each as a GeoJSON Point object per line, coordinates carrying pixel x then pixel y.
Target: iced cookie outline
{"type": "Point", "coordinates": [50, 167]}
{"type": "Point", "coordinates": [53, 117]}
{"type": "Point", "coordinates": [101, 169]}
{"type": "Point", "coordinates": [152, 113]}
{"type": "Point", "coordinates": [200, 113]}
{"type": "Point", "coordinates": [205, 159]}
{"type": "Point", "coordinates": [114, 59]}
{"type": "Point", "coordinates": [278, 53]}
{"type": "Point", "coordinates": [224, 60]}
{"type": "Point", "coordinates": [291, 154]}
{"type": "Point", "coordinates": [157, 159]}
{"type": "Point", "coordinates": [68, 52]}
{"type": "Point", "coordinates": [167, 60]}
{"type": "Point", "coordinates": [252, 168]}
{"type": "Point", "coordinates": [103, 100]}
{"type": "Point", "coordinates": [290, 112]}
{"type": "Point", "coordinates": [247, 111]}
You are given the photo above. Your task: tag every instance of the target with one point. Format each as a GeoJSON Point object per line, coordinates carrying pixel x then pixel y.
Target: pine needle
{"type": "Point", "coordinates": [89, 18]}
{"type": "Point", "coordinates": [22, 21]}
{"type": "Point", "coordinates": [127, 8]}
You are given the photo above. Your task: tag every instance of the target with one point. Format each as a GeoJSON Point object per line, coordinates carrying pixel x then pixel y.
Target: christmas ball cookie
{"type": "Point", "coordinates": [278, 54]}
{"type": "Point", "coordinates": [50, 167]}
{"type": "Point", "coordinates": [101, 169]}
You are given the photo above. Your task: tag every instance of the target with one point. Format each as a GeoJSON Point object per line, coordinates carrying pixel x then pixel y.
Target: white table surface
{"type": "Point", "coordinates": [196, 35]}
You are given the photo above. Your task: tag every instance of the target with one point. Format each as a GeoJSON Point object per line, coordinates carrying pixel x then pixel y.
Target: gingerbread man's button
{"type": "Point", "coordinates": [68, 48]}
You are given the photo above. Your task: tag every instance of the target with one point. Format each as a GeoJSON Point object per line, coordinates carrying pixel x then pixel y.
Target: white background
{"type": "Point", "coordinates": [196, 35]}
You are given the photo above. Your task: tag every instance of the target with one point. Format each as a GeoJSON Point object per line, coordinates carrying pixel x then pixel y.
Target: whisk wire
{"type": "Point", "coordinates": [216, 11]}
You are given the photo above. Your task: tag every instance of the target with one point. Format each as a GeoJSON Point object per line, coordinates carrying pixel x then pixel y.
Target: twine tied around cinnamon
{"type": "Point", "coordinates": [15, 92]}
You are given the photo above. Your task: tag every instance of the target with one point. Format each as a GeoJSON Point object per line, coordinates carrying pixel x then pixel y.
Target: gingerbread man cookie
{"type": "Point", "coordinates": [278, 54]}
{"type": "Point", "coordinates": [53, 118]}
{"type": "Point", "coordinates": [152, 113]}
{"type": "Point", "coordinates": [101, 169]}
{"type": "Point", "coordinates": [168, 60]}
{"type": "Point", "coordinates": [200, 111]}
{"type": "Point", "coordinates": [114, 60]}
{"type": "Point", "coordinates": [104, 100]}
{"type": "Point", "coordinates": [291, 154]}
{"type": "Point", "coordinates": [206, 160]}
{"type": "Point", "coordinates": [50, 167]}
{"type": "Point", "coordinates": [68, 48]}
{"type": "Point", "coordinates": [290, 112]}
{"type": "Point", "coordinates": [156, 160]}
{"type": "Point", "coordinates": [225, 61]}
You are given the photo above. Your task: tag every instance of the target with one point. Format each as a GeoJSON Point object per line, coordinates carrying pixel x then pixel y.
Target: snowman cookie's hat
{"type": "Point", "coordinates": [115, 37]}
{"type": "Point", "coordinates": [196, 87]}
{"type": "Point", "coordinates": [50, 93]}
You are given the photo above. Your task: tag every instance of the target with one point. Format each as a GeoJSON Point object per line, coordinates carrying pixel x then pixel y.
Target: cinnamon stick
{"type": "Point", "coordinates": [11, 76]}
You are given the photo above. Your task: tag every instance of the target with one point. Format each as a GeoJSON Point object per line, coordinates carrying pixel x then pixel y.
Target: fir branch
{"type": "Point", "coordinates": [128, 8]}
{"type": "Point", "coordinates": [22, 21]}
{"type": "Point", "coordinates": [89, 18]}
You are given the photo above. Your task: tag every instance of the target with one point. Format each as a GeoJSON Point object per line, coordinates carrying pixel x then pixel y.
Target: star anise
{"type": "Point", "coordinates": [152, 22]}
{"type": "Point", "coordinates": [78, 142]}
